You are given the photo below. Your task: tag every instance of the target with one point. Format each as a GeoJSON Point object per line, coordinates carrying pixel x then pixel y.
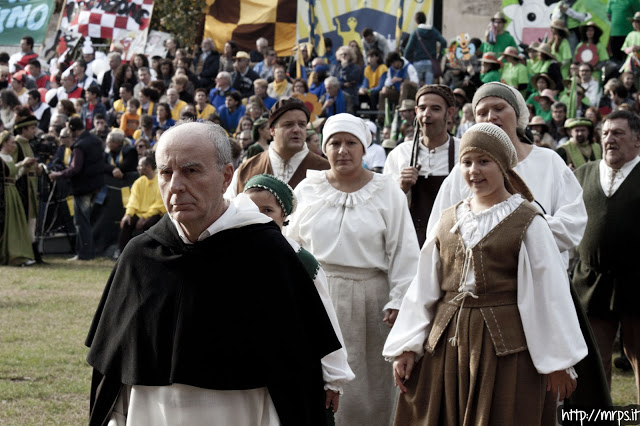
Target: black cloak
{"type": "Point", "coordinates": [203, 315]}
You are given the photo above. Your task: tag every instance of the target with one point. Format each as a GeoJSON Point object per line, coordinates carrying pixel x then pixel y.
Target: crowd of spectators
{"type": "Point", "coordinates": [135, 101]}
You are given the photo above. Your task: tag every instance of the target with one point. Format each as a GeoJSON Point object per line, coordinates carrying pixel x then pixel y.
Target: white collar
{"type": "Point", "coordinates": [240, 212]}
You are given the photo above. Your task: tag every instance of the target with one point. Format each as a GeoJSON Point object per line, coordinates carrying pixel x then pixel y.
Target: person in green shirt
{"type": "Point", "coordinates": [514, 72]}
{"type": "Point", "coordinates": [549, 65]}
{"type": "Point", "coordinates": [497, 39]}
{"type": "Point", "coordinates": [490, 68]}
{"type": "Point", "coordinates": [539, 82]}
{"type": "Point", "coordinates": [560, 46]}
{"type": "Point", "coordinates": [632, 41]}
{"type": "Point", "coordinates": [590, 49]}
{"type": "Point", "coordinates": [618, 12]}
{"type": "Point", "coordinates": [545, 99]}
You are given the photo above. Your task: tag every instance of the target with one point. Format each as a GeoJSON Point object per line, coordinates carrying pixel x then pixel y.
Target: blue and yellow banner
{"type": "Point", "coordinates": [343, 20]}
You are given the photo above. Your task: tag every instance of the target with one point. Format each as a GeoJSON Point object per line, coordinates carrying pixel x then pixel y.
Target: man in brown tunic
{"type": "Point", "coordinates": [288, 157]}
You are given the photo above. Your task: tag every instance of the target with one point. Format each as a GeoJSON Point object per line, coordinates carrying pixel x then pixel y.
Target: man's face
{"type": "Point", "coordinates": [100, 124]}
{"type": "Point", "coordinates": [142, 165]}
{"type": "Point", "coordinates": [24, 46]}
{"type": "Point", "coordinates": [222, 82]}
{"type": "Point", "coordinates": [201, 97]}
{"type": "Point", "coordinates": [172, 95]}
{"type": "Point", "coordinates": [370, 38]}
{"type": "Point", "coordinates": [33, 70]}
{"type": "Point", "coordinates": [619, 143]}
{"type": "Point", "coordinates": [332, 90]}
{"type": "Point", "coordinates": [113, 145]}
{"type": "Point", "coordinates": [241, 64]}
{"type": "Point", "coordinates": [90, 96]}
{"type": "Point", "coordinates": [397, 64]}
{"type": "Point", "coordinates": [290, 132]}
{"type": "Point", "coordinates": [580, 134]}
{"type": "Point", "coordinates": [262, 46]}
{"type": "Point", "coordinates": [244, 138]}
{"type": "Point", "coordinates": [78, 71]}
{"type": "Point", "coordinates": [259, 89]}
{"type": "Point", "coordinates": [113, 63]}
{"type": "Point", "coordinates": [206, 45]}
{"type": "Point", "coordinates": [271, 57]}
{"type": "Point", "coordinates": [190, 183]}
{"type": "Point", "coordinates": [125, 95]}
{"type": "Point", "coordinates": [585, 73]}
{"type": "Point", "coordinates": [230, 102]}
{"type": "Point", "coordinates": [144, 76]}
{"type": "Point", "coordinates": [558, 114]}
{"type": "Point", "coordinates": [432, 114]}
{"type": "Point", "coordinates": [29, 132]}
{"type": "Point", "coordinates": [88, 57]}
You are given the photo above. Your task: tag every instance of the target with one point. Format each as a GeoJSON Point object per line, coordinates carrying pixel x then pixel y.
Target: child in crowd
{"type": "Point", "coordinates": [130, 120]}
{"type": "Point", "coordinates": [275, 198]}
{"type": "Point", "coordinates": [490, 304]}
{"type": "Point", "coordinates": [467, 120]}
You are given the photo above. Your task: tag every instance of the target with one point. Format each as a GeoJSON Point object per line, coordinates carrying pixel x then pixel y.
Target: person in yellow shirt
{"type": "Point", "coordinates": [203, 108]}
{"type": "Point", "coordinates": [130, 120]}
{"type": "Point", "coordinates": [176, 105]}
{"type": "Point", "coordinates": [145, 207]}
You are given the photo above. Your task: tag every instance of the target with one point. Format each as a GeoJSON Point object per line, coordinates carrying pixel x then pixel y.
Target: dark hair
{"type": "Point", "coordinates": [158, 86]}
{"type": "Point", "coordinates": [376, 53]}
{"type": "Point", "coordinates": [421, 18]}
{"type": "Point", "coordinates": [127, 86]}
{"type": "Point", "coordinates": [200, 89]}
{"type": "Point", "coordinates": [150, 159]}
{"type": "Point", "coordinates": [35, 63]}
{"type": "Point", "coordinates": [235, 95]}
{"type": "Point", "coordinates": [620, 90]}
{"type": "Point", "coordinates": [4, 57]}
{"type": "Point", "coordinates": [632, 118]}
{"type": "Point", "coordinates": [82, 63]}
{"type": "Point", "coordinates": [150, 93]}
{"type": "Point", "coordinates": [68, 107]}
{"type": "Point", "coordinates": [29, 40]}
{"type": "Point", "coordinates": [146, 120]}
{"type": "Point", "coordinates": [9, 99]}
{"type": "Point", "coordinates": [99, 116]}
{"type": "Point", "coordinates": [303, 81]}
{"type": "Point", "coordinates": [391, 58]}
{"type": "Point", "coordinates": [75, 124]}
{"type": "Point", "coordinates": [588, 65]}
{"type": "Point", "coordinates": [169, 63]}
{"type": "Point", "coordinates": [557, 105]}
{"type": "Point", "coordinates": [135, 102]}
{"type": "Point", "coordinates": [33, 93]}
{"type": "Point", "coordinates": [367, 32]}
{"type": "Point", "coordinates": [93, 89]}
{"type": "Point", "coordinates": [119, 76]}
{"type": "Point", "coordinates": [166, 107]}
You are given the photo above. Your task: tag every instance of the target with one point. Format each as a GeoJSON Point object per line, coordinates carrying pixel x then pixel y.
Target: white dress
{"type": "Point", "coordinates": [549, 319]}
{"type": "Point", "coordinates": [553, 186]}
{"type": "Point", "coordinates": [366, 243]}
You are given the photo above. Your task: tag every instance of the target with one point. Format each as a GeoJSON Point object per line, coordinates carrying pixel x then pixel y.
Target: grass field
{"type": "Point", "coordinates": [45, 313]}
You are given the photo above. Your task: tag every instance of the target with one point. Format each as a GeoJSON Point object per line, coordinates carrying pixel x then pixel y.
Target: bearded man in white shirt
{"type": "Point", "coordinates": [605, 275]}
{"type": "Point", "coordinates": [288, 157]}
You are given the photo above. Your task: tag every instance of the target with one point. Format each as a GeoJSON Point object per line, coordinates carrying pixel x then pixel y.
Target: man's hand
{"type": "Point", "coordinates": [328, 103]}
{"type": "Point", "coordinates": [402, 368]}
{"type": "Point", "coordinates": [408, 178]}
{"type": "Point", "coordinates": [126, 219]}
{"type": "Point", "coordinates": [332, 399]}
{"type": "Point", "coordinates": [561, 384]}
{"type": "Point", "coordinates": [117, 173]}
{"type": "Point", "coordinates": [395, 80]}
{"type": "Point", "coordinates": [141, 222]}
{"type": "Point", "coordinates": [54, 175]}
{"type": "Point", "coordinates": [390, 316]}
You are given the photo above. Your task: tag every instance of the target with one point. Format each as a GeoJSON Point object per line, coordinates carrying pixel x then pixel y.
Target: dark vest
{"type": "Point", "coordinates": [91, 177]}
{"type": "Point", "coordinates": [605, 275]}
{"type": "Point", "coordinates": [495, 263]}
{"type": "Point", "coordinates": [260, 164]}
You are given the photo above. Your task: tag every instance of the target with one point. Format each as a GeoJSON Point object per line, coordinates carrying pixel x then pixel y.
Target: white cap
{"type": "Point", "coordinates": [349, 124]}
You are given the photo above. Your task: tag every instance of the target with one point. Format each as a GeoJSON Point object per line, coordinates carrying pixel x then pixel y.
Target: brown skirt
{"type": "Point", "coordinates": [469, 385]}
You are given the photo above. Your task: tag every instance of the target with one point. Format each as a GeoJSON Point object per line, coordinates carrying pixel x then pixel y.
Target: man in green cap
{"type": "Point", "coordinates": [580, 148]}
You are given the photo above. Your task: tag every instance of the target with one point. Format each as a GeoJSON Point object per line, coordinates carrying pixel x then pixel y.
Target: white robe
{"type": "Point", "coordinates": [552, 184]}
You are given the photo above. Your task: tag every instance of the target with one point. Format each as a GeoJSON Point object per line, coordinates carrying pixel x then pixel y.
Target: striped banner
{"type": "Point", "coordinates": [244, 21]}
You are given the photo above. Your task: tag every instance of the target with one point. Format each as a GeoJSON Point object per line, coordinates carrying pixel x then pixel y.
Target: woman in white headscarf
{"type": "Point", "coordinates": [357, 224]}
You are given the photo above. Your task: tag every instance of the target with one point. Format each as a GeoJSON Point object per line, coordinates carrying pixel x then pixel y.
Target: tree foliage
{"type": "Point", "coordinates": [182, 18]}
